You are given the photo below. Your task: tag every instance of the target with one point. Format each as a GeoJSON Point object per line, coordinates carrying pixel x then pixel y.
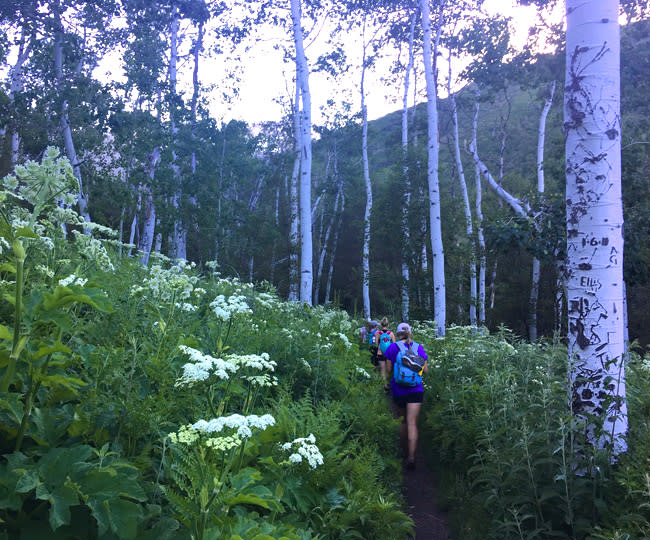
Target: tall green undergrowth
{"type": "Point", "coordinates": [513, 462]}
{"type": "Point", "coordinates": [170, 402]}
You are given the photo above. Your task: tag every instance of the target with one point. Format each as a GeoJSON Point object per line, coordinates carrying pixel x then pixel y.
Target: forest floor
{"type": "Point", "coordinates": [419, 488]}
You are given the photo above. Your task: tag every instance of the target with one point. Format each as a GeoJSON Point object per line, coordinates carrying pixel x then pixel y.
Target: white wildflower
{"type": "Point", "coordinates": [305, 448]}
{"type": "Point", "coordinates": [72, 279]}
{"type": "Point", "coordinates": [363, 372]}
{"type": "Point", "coordinates": [224, 308]}
{"type": "Point", "coordinates": [202, 367]}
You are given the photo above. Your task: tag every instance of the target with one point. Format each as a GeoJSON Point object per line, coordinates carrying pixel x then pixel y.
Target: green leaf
{"type": "Point", "coordinates": [8, 267]}
{"type": "Point", "coordinates": [53, 381]}
{"type": "Point", "coordinates": [257, 496]}
{"type": "Point", "coordinates": [118, 515]}
{"type": "Point", "coordinates": [109, 483]}
{"type": "Point", "coordinates": [64, 296]}
{"type": "Point", "coordinates": [61, 499]}
{"type": "Point", "coordinates": [51, 349]}
{"type": "Point", "coordinates": [5, 333]}
{"type": "Point", "coordinates": [26, 232]}
{"type": "Point", "coordinates": [12, 402]}
{"type": "Point", "coordinates": [28, 481]}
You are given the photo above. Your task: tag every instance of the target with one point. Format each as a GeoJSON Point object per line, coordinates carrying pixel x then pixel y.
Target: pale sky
{"type": "Point", "coordinates": [266, 77]}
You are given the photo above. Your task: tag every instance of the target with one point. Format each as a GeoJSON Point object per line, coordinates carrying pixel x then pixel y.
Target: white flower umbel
{"type": "Point", "coordinates": [224, 308]}
{"type": "Point", "coordinates": [93, 250]}
{"type": "Point", "coordinates": [304, 448]}
{"type": "Point", "coordinates": [202, 367]}
{"type": "Point", "coordinates": [345, 340]}
{"type": "Point", "coordinates": [72, 279]}
{"type": "Point", "coordinates": [254, 361]}
{"type": "Point", "coordinates": [261, 380]}
{"type": "Point", "coordinates": [242, 424]}
{"type": "Point", "coordinates": [363, 372]}
{"type": "Point", "coordinates": [165, 284]}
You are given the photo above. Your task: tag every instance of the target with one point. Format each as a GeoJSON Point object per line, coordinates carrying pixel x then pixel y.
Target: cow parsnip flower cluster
{"type": "Point", "coordinates": [254, 361]}
{"type": "Point", "coordinates": [362, 372]}
{"type": "Point", "coordinates": [202, 367]}
{"type": "Point", "coordinates": [164, 284]}
{"type": "Point", "coordinates": [304, 449]}
{"type": "Point", "coordinates": [42, 183]}
{"type": "Point", "coordinates": [225, 308]}
{"type": "Point", "coordinates": [264, 380]}
{"type": "Point", "coordinates": [243, 425]}
{"type": "Point", "coordinates": [189, 436]}
{"type": "Point", "coordinates": [94, 250]}
{"type": "Point", "coordinates": [73, 279]}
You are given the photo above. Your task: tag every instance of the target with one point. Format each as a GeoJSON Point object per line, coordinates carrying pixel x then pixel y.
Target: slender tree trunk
{"type": "Point", "coordinates": [66, 131]}
{"type": "Point", "coordinates": [335, 243]}
{"type": "Point", "coordinates": [595, 220]}
{"type": "Point", "coordinates": [366, 177]}
{"type": "Point", "coordinates": [469, 229]}
{"type": "Point", "coordinates": [302, 74]}
{"type": "Point", "coordinates": [323, 251]}
{"type": "Point", "coordinates": [294, 231]}
{"type": "Point", "coordinates": [17, 86]}
{"type": "Point", "coordinates": [178, 241]}
{"type": "Point", "coordinates": [482, 264]}
{"type": "Point", "coordinates": [541, 136]}
{"type": "Point", "coordinates": [407, 182]}
{"type": "Point", "coordinates": [439, 288]}
{"type": "Point", "coordinates": [148, 230]}
{"type": "Point", "coordinates": [276, 222]}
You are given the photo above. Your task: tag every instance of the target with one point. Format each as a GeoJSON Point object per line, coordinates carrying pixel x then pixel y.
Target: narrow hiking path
{"type": "Point", "coordinates": [419, 488]}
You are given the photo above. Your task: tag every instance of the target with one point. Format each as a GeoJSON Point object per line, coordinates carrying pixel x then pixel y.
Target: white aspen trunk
{"type": "Point", "coordinates": [534, 289]}
{"type": "Point", "coordinates": [469, 229]}
{"type": "Point", "coordinates": [407, 183]}
{"type": "Point", "coordinates": [437, 249]}
{"type": "Point", "coordinates": [134, 222]}
{"type": "Point", "coordinates": [66, 131]}
{"type": "Point", "coordinates": [366, 177]}
{"type": "Point", "coordinates": [335, 243]}
{"type": "Point", "coordinates": [482, 263]}
{"type": "Point", "coordinates": [178, 240]}
{"type": "Point", "coordinates": [17, 86]}
{"type": "Point", "coordinates": [596, 303]}
{"type": "Point", "coordinates": [276, 222]}
{"type": "Point", "coordinates": [323, 251]}
{"type": "Point", "coordinates": [148, 230]}
{"type": "Point", "coordinates": [217, 229]}
{"type": "Point", "coordinates": [302, 74]}
{"type": "Point", "coordinates": [294, 231]}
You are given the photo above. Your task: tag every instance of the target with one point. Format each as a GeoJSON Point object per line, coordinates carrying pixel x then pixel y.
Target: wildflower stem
{"type": "Point", "coordinates": [17, 342]}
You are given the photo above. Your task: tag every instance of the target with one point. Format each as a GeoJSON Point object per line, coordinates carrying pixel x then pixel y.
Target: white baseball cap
{"type": "Point", "coordinates": [403, 327]}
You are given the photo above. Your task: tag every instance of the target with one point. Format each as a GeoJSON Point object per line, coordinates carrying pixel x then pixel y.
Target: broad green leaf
{"type": "Point", "coordinates": [12, 402]}
{"type": "Point", "coordinates": [51, 349]}
{"type": "Point", "coordinates": [71, 383]}
{"type": "Point", "coordinates": [62, 499]}
{"type": "Point", "coordinates": [118, 515]}
{"type": "Point", "coordinates": [5, 333]}
{"type": "Point", "coordinates": [26, 232]}
{"type": "Point", "coordinates": [110, 483]}
{"type": "Point", "coordinates": [28, 481]}
{"type": "Point", "coordinates": [8, 267]}
{"type": "Point", "coordinates": [258, 496]}
{"type": "Point", "coordinates": [64, 296]}
{"type": "Point", "coordinates": [58, 317]}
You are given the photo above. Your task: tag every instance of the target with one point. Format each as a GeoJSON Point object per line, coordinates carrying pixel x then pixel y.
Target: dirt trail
{"type": "Point", "coordinates": [419, 489]}
{"type": "Point", "coordinates": [420, 494]}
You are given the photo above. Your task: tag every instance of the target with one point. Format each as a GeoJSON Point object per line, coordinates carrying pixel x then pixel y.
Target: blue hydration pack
{"type": "Point", "coordinates": [385, 341]}
{"type": "Point", "coordinates": [407, 370]}
{"type": "Point", "coordinates": [371, 336]}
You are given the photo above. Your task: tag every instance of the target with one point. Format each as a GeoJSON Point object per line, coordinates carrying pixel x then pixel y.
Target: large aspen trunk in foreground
{"type": "Point", "coordinates": [594, 216]}
{"type": "Point", "coordinates": [439, 288]}
{"type": "Point", "coordinates": [368, 184]}
{"type": "Point", "coordinates": [302, 75]}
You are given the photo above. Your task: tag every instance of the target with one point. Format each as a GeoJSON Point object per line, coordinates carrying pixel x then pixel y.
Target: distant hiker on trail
{"type": "Point", "coordinates": [370, 341]}
{"type": "Point", "coordinates": [363, 332]}
{"type": "Point", "coordinates": [409, 363]}
{"type": "Point", "coordinates": [383, 340]}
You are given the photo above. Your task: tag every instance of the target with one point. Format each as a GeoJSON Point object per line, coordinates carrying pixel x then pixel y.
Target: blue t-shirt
{"type": "Point", "coordinates": [391, 354]}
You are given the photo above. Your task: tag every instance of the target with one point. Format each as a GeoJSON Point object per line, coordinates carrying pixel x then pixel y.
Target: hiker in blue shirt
{"type": "Point", "coordinates": [370, 341]}
{"type": "Point", "coordinates": [406, 387]}
{"type": "Point", "coordinates": [383, 339]}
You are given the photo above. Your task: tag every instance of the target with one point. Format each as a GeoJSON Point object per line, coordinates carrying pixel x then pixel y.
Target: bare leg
{"type": "Point", "coordinates": [412, 413]}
